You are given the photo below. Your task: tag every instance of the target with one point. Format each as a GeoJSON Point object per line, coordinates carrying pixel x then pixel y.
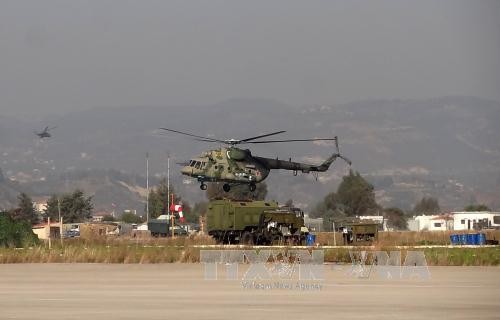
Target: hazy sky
{"type": "Point", "coordinates": [71, 55]}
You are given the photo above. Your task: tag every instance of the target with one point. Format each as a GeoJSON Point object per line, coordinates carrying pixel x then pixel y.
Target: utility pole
{"type": "Point", "coordinates": [172, 216]}
{"type": "Point", "coordinates": [60, 220]}
{"type": "Point", "coordinates": [48, 223]}
{"type": "Point", "coordinates": [168, 181]}
{"type": "Point", "coordinates": [147, 187]}
{"type": "Point", "coordinates": [334, 235]}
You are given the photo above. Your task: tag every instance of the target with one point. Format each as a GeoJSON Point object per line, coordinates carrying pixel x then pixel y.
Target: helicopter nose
{"type": "Point", "coordinates": [186, 170]}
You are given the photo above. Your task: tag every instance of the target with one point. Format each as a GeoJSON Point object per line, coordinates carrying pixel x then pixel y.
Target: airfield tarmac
{"type": "Point", "coordinates": [179, 291]}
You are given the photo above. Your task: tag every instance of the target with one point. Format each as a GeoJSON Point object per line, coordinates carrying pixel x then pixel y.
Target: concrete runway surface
{"type": "Point", "coordinates": [179, 291]}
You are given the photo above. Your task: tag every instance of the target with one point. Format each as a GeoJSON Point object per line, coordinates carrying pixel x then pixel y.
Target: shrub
{"type": "Point", "coordinates": [15, 233]}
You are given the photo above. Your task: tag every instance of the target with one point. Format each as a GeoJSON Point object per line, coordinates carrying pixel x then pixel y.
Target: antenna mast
{"type": "Point", "coordinates": [147, 187]}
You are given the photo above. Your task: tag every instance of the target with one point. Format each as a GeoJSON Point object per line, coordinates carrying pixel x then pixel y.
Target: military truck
{"type": "Point", "coordinates": [359, 232]}
{"type": "Point", "coordinates": [254, 222]}
{"type": "Point", "coordinates": [161, 228]}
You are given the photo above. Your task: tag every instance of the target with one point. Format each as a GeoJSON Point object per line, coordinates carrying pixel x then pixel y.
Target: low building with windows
{"type": "Point", "coordinates": [44, 231]}
{"type": "Point", "coordinates": [431, 223]}
{"type": "Point", "coordinates": [476, 220]}
{"type": "Point", "coordinates": [456, 221]}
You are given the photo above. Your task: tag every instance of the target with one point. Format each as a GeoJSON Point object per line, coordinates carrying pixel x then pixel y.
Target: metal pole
{"type": "Point", "coordinates": [334, 235]}
{"type": "Point", "coordinates": [61, 231]}
{"type": "Point", "coordinates": [60, 220]}
{"type": "Point", "coordinates": [168, 196]}
{"type": "Point", "coordinates": [48, 222]}
{"type": "Point", "coordinates": [59, 208]}
{"type": "Point", "coordinates": [172, 217]}
{"type": "Point", "coordinates": [147, 187]}
{"type": "Point", "coordinates": [168, 182]}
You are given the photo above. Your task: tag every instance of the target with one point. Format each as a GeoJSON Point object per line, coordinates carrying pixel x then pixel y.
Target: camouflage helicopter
{"type": "Point", "coordinates": [44, 133]}
{"type": "Point", "coordinates": [234, 166]}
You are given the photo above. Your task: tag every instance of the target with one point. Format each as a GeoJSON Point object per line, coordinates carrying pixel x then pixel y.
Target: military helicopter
{"type": "Point", "coordinates": [44, 133]}
{"type": "Point", "coordinates": [233, 165]}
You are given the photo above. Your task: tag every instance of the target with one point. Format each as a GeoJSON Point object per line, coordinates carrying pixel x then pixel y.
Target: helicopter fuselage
{"type": "Point", "coordinates": [231, 164]}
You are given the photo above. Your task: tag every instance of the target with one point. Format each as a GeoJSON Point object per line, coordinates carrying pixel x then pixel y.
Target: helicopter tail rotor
{"type": "Point", "coordinates": [338, 155]}
{"type": "Point", "coordinates": [325, 165]}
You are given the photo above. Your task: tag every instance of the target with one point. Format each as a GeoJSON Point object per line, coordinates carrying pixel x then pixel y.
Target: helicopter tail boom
{"type": "Point", "coordinates": [303, 167]}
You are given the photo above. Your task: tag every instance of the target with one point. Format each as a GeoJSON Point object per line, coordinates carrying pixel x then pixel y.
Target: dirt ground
{"type": "Point", "coordinates": [179, 291]}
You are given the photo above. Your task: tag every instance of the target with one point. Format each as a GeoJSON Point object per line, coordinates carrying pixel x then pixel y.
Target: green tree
{"type": "Point", "coordinates": [129, 217]}
{"type": "Point", "coordinates": [158, 199]}
{"type": "Point", "coordinates": [15, 233]}
{"type": "Point", "coordinates": [427, 206]}
{"type": "Point", "coordinates": [477, 207]}
{"type": "Point", "coordinates": [199, 209]}
{"type": "Point", "coordinates": [355, 196]}
{"type": "Point", "coordinates": [75, 207]}
{"type": "Point", "coordinates": [238, 192]}
{"type": "Point", "coordinates": [330, 210]}
{"type": "Point", "coordinates": [25, 210]}
{"type": "Point", "coordinates": [51, 209]}
{"type": "Point", "coordinates": [395, 218]}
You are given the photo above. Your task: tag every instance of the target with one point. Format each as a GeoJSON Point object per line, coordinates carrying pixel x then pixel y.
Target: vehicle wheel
{"type": "Point", "coordinates": [226, 187]}
{"type": "Point", "coordinates": [203, 186]}
{"type": "Point", "coordinates": [246, 238]}
{"type": "Point", "coordinates": [252, 187]}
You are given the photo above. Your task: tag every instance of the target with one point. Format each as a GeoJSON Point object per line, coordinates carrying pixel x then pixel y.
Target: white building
{"type": "Point", "coordinates": [431, 223]}
{"type": "Point", "coordinates": [468, 220]}
{"type": "Point", "coordinates": [455, 221]}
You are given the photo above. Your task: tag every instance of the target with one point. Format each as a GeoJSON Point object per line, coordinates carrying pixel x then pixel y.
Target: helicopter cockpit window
{"type": "Point", "coordinates": [191, 163]}
{"type": "Point", "coordinates": [197, 165]}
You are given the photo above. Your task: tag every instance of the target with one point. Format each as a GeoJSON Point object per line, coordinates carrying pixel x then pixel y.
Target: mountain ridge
{"type": "Point", "coordinates": [443, 139]}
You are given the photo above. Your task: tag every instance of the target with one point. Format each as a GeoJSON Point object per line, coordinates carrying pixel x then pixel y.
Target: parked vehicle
{"type": "Point", "coordinates": [254, 222]}
{"type": "Point", "coordinates": [161, 228]}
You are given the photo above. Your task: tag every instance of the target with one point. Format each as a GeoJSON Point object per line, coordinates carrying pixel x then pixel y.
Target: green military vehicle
{"type": "Point", "coordinates": [161, 228]}
{"type": "Point", "coordinates": [254, 222]}
{"type": "Point", "coordinates": [359, 232]}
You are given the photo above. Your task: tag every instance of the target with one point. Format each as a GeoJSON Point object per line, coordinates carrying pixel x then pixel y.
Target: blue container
{"type": "Point", "coordinates": [470, 239]}
{"type": "Point", "coordinates": [455, 239]}
{"type": "Point", "coordinates": [310, 239]}
{"type": "Point", "coordinates": [476, 239]}
{"type": "Point", "coordinates": [463, 239]}
{"type": "Point", "coordinates": [482, 239]}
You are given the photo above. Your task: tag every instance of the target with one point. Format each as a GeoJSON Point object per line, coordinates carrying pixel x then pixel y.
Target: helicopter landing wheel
{"type": "Point", "coordinates": [252, 187]}
{"type": "Point", "coordinates": [226, 187]}
{"type": "Point", "coordinates": [203, 186]}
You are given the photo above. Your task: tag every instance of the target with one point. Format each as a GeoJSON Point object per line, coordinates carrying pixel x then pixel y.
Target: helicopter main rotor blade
{"type": "Point", "coordinates": [294, 140]}
{"type": "Point", "coordinates": [51, 128]}
{"type": "Point", "coordinates": [194, 136]}
{"type": "Point", "coordinates": [262, 136]}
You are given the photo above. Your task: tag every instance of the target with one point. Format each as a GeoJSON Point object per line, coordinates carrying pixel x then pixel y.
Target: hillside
{"type": "Point", "coordinates": [447, 147]}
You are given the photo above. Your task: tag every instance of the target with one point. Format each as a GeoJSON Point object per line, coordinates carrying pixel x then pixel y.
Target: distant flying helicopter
{"type": "Point", "coordinates": [44, 133]}
{"type": "Point", "coordinates": [235, 166]}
